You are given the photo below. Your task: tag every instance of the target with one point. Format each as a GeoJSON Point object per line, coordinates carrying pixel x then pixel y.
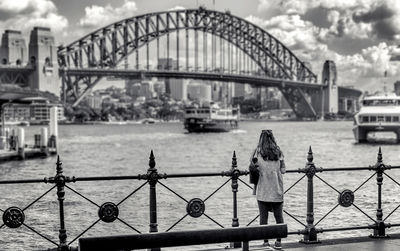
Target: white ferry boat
{"type": "Point", "coordinates": [378, 113]}
{"type": "Point", "coordinates": [211, 119]}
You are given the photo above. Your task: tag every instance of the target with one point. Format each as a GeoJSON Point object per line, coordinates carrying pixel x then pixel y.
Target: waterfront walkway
{"type": "Point", "coordinates": [343, 244]}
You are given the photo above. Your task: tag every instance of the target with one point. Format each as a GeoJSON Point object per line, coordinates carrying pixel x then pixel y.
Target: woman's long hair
{"type": "Point", "coordinates": [267, 147]}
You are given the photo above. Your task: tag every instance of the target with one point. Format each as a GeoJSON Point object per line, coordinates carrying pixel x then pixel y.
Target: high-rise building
{"type": "Point", "coordinates": [132, 87]}
{"type": "Point", "coordinates": [146, 90]}
{"type": "Point", "coordinates": [177, 88]}
{"type": "Point", "coordinates": [159, 87]}
{"type": "Point", "coordinates": [94, 101]}
{"type": "Point", "coordinates": [397, 88]}
{"type": "Point", "coordinates": [216, 91]}
{"type": "Point", "coordinates": [199, 92]}
{"type": "Point", "coordinates": [140, 88]}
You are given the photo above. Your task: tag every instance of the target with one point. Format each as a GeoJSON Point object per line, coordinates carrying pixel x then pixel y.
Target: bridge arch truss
{"type": "Point", "coordinates": [108, 47]}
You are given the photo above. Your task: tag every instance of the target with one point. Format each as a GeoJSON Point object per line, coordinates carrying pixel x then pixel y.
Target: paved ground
{"type": "Point", "coordinates": [344, 244]}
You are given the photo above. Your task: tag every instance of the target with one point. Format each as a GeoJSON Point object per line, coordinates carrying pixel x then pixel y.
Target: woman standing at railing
{"type": "Point", "coordinates": [266, 169]}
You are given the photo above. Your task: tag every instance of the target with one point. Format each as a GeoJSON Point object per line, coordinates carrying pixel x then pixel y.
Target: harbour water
{"type": "Point", "coordinates": [102, 150]}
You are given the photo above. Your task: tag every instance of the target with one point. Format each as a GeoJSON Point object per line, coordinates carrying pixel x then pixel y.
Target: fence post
{"type": "Point", "coordinates": [235, 175]}
{"type": "Point", "coordinates": [379, 230]}
{"type": "Point", "coordinates": [311, 234]}
{"type": "Point", "coordinates": [60, 182]}
{"type": "Point", "coordinates": [152, 177]}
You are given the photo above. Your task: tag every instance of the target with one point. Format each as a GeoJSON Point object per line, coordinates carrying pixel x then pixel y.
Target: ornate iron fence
{"type": "Point", "coordinates": [108, 212]}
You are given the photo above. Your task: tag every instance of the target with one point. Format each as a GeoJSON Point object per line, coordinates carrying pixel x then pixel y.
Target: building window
{"type": "Point", "coordinates": [388, 119]}
{"type": "Point", "coordinates": [33, 60]}
{"type": "Point", "coordinates": [18, 62]}
{"type": "Point", "coordinates": [372, 119]}
{"type": "Point", "coordinates": [365, 119]}
{"type": "Point", "coordinates": [395, 119]}
{"type": "Point", "coordinates": [47, 61]}
{"type": "Point", "coordinates": [4, 61]}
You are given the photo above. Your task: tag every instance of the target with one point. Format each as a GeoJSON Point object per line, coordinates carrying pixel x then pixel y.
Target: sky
{"type": "Point", "coordinates": [360, 36]}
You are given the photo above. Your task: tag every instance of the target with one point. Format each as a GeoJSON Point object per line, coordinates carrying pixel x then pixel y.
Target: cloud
{"type": "Point", "coordinates": [99, 16]}
{"type": "Point", "coordinates": [25, 14]}
{"type": "Point", "coordinates": [383, 19]}
{"type": "Point", "coordinates": [362, 69]}
{"type": "Point", "coordinates": [353, 18]}
{"type": "Point", "coordinates": [177, 8]}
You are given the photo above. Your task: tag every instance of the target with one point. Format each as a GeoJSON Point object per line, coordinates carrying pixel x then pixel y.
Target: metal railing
{"type": "Point", "coordinates": [108, 212]}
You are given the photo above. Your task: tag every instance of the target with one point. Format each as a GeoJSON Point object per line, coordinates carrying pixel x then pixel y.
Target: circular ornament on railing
{"type": "Point", "coordinates": [108, 212]}
{"type": "Point", "coordinates": [13, 217]}
{"type": "Point", "coordinates": [346, 198]}
{"type": "Point", "coordinates": [195, 207]}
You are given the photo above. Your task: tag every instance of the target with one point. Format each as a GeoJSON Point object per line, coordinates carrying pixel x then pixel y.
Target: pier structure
{"type": "Point", "coordinates": [110, 211]}
{"type": "Point", "coordinates": [13, 145]}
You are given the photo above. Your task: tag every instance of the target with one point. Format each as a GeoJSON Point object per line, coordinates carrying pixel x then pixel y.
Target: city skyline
{"type": "Point", "coordinates": [360, 36]}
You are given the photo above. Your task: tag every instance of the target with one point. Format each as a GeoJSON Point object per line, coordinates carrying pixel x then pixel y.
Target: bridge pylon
{"type": "Point", "coordinates": [43, 57]}
{"type": "Point", "coordinates": [327, 100]}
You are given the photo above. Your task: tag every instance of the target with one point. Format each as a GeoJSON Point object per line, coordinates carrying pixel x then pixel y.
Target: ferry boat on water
{"type": "Point", "coordinates": [211, 119]}
{"type": "Point", "coordinates": [378, 113]}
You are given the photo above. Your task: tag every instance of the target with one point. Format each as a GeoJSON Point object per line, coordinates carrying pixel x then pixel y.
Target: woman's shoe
{"type": "Point", "coordinates": [278, 245]}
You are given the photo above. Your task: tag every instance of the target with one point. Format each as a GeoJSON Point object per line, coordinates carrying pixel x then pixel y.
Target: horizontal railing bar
{"type": "Point", "coordinates": [182, 238]}
{"type": "Point", "coordinates": [336, 169]}
{"type": "Point", "coordinates": [22, 181]}
{"type": "Point", "coordinates": [187, 175]}
{"type": "Point", "coordinates": [99, 178]}
{"type": "Point", "coordinates": [321, 230]}
{"type": "Point", "coordinates": [178, 175]}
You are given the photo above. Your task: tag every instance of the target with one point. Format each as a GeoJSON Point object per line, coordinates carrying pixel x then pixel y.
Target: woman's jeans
{"type": "Point", "coordinates": [275, 207]}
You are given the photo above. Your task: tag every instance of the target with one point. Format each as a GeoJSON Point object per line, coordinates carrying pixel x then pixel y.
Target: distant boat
{"type": "Point", "coordinates": [211, 119]}
{"type": "Point", "coordinates": [379, 113]}
{"type": "Point", "coordinates": [17, 123]}
{"type": "Point", "coordinates": [148, 121]}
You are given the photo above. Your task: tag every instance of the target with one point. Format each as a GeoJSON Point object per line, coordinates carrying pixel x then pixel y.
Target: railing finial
{"type": "Point", "coordinates": [152, 162]}
{"type": "Point", "coordinates": [380, 155]}
{"type": "Point", "coordinates": [234, 161]}
{"type": "Point", "coordinates": [59, 165]}
{"type": "Point", "coordinates": [310, 156]}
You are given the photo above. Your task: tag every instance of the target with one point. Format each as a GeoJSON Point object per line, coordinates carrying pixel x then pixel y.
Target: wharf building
{"type": "Point", "coordinates": [33, 67]}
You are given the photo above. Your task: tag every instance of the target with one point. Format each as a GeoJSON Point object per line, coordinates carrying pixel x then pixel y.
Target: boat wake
{"type": "Point", "coordinates": [117, 139]}
{"type": "Point", "coordinates": [238, 131]}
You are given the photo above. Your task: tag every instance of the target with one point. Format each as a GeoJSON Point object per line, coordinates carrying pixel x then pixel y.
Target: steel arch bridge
{"type": "Point", "coordinates": [246, 54]}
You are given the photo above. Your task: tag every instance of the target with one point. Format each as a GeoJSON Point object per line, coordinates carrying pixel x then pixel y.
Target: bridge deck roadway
{"type": "Point", "coordinates": [344, 244]}
{"type": "Point", "coordinates": [214, 76]}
